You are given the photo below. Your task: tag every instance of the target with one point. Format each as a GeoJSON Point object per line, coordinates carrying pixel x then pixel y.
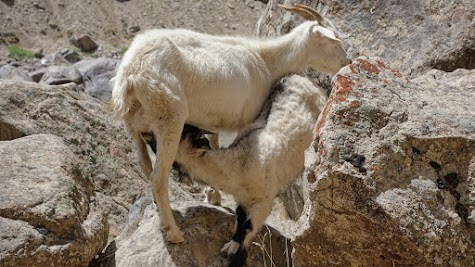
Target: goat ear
{"type": "Point", "coordinates": [320, 31]}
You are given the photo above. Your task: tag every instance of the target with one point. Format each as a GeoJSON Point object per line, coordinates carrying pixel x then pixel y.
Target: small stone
{"type": "Point", "coordinates": [64, 51]}
{"type": "Point", "coordinates": [85, 43]}
{"type": "Point", "coordinates": [134, 29]}
{"type": "Point", "coordinates": [72, 56]}
{"type": "Point", "coordinates": [38, 53]}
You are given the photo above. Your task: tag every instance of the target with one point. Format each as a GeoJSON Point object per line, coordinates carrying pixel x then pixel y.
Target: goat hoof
{"type": "Point", "coordinates": [175, 236]}
{"type": "Point", "coordinates": [230, 248]}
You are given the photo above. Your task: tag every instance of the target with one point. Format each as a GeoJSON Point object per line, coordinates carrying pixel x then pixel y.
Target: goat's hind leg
{"type": "Point", "coordinates": [242, 225]}
{"type": "Point", "coordinates": [249, 228]}
{"type": "Point", "coordinates": [142, 152]}
{"type": "Point", "coordinates": [167, 134]}
{"type": "Point", "coordinates": [150, 139]}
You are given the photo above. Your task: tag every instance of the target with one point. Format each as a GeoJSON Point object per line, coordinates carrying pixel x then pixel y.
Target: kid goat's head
{"type": "Point", "coordinates": [193, 140]}
{"type": "Point", "coordinates": [326, 51]}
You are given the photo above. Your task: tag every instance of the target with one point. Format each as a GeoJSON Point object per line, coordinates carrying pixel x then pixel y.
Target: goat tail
{"type": "Point", "coordinates": [121, 101]}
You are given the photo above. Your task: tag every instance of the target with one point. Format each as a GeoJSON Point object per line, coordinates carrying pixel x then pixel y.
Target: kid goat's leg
{"type": "Point", "coordinates": [247, 226]}
{"type": "Point", "coordinates": [242, 225]}
{"type": "Point", "coordinates": [213, 196]}
{"type": "Point", "coordinates": [257, 216]}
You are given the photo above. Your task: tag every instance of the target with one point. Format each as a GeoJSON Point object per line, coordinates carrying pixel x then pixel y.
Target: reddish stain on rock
{"type": "Point", "coordinates": [382, 65]}
{"type": "Point", "coordinates": [311, 178]}
{"type": "Point", "coordinates": [354, 104]}
{"type": "Point", "coordinates": [323, 117]}
{"type": "Point", "coordinates": [342, 88]}
{"type": "Point", "coordinates": [368, 67]}
{"type": "Point", "coordinates": [353, 70]}
{"type": "Point", "coordinates": [356, 93]}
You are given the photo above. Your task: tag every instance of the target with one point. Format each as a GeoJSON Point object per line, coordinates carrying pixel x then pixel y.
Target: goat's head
{"type": "Point", "coordinates": [326, 53]}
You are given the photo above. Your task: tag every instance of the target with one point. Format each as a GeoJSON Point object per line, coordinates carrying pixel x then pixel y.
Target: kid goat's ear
{"type": "Point", "coordinates": [320, 31]}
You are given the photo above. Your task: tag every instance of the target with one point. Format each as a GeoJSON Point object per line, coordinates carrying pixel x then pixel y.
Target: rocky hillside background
{"type": "Point", "coordinates": [49, 25]}
{"type": "Point", "coordinates": [389, 179]}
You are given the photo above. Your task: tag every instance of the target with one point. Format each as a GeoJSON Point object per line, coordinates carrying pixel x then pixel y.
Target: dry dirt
{"type": "Point", "coordinates": [50, 24]}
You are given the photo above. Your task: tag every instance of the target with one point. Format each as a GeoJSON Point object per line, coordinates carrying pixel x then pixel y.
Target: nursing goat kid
{"type": "Point", "coordinates": [171, 77]}
{"type": "Point", "coordinates": [265, 158]}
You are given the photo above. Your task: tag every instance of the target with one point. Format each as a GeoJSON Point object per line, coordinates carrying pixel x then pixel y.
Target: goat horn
{"type": "Point", "coordinates": [312, 11]}
{"type": "Point", "coordinates": [306, 12]}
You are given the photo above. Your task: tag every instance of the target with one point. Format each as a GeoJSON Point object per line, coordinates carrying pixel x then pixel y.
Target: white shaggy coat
{"type": "Point", "coordinates": [171, 77]}
{"type": "Point", "coordinates": [266, 157]}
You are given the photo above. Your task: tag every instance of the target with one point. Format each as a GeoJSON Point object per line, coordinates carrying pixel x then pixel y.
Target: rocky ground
{"type": "Point", "coordinates": [49, 25]}
{"type": "Point", "coordinates": [389, 179]}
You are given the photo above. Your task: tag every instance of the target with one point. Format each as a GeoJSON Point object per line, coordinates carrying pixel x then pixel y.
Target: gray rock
{"type": "Point", "coordinates": [103, 150]}
{"type": "Point", "coordinates": [295, 196]}
{"type": "Point", "coordinates": [45, 216]}
{"type": "Point", "coordinates": [393, 181]}
{"type": "Point", "coordinates": [71, 56]}
{"type": "Point", "coordinates": [54, 59]}
{"type": "Point", "coordinates": [96, 74]}
{"type": "Point", "coordinates": [85, 43]}
{"type": "Point", "coordinates": [38, 74]}
{"type": "Point", "coordinates": [55, 75]}
{"type": "Point", "coordinates": [206, 228]}
{"type": "Point", "coordinates": [13, 73]}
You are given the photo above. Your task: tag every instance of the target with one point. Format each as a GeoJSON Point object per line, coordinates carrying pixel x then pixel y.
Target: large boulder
{"type": "Point", "coordinates": [393, 181]}
{"type": "Point", "coordinates": [104, 153]}
{"type": "Point", "coordinates": [414, 36]}
{"type": "Point", "coordinates": [45, 217]}
{"type": "Point", "coordinates": [207, 228]}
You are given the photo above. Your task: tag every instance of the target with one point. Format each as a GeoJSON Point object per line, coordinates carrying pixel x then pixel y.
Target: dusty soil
{"type": "Point", "coordinates": [50, 24]}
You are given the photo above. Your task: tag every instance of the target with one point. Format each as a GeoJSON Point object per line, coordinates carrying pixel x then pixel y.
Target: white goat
{"type": "Point", "coordinates": [171, 77]}
{"type": "Point", "coordinates": [265, 158]}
